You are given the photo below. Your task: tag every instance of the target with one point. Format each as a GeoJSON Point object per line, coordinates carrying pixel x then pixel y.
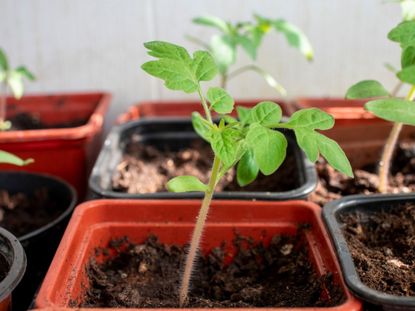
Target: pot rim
{"type": "Point", "coordinates": [17, 268]}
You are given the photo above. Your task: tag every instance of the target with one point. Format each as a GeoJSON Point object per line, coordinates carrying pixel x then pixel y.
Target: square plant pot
{"type": "Point", "coordinates": [359, 216]}
{"type": "Point", "coordinates": [299, 176]}
{"type": "Point", "coordinates": [68, 145]}
{"type": "Point", "coordinates": [168, 109]}
{"type": "Point", "coordinates": [360, 134]}
{"type": "Point", "coordinates": [39, 231]}
{"type": "Point", "coordinates": [95, 223]}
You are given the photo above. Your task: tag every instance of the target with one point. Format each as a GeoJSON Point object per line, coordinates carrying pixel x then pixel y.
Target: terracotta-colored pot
{"type": "Point", "coordinates": [95, 223]}
{"type": "Point", "coordinates": [12, 252]}
{"type": "Point", "coordinates": [360, 134]}
{"type": "Point", "coordinates": [68, 153]}
{"type": "Point", "coordinates": [151, 109]}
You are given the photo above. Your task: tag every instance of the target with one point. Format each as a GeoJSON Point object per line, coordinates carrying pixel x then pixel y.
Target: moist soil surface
{"type": "Point", "coordinates": [4, 267]}
{"type": "Point", "coordinates": [21, 213]}
{"type": "Point", "coordinates": [146, 169]}
{"type": "Point", "coordinates": [27, 121]}
{"type": "Point", "coordinates": [382, 245]}
{"type": "Point", "coordinates": [333, 185]}
{"type": "Point", "coordinates": [147, 275]}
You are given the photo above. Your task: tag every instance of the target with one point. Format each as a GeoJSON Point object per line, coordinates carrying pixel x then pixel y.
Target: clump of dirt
{"type": "Point", "coordinates": [21, 213]}
{"type": "Point", "coordinates": [382, 245]}
{"type": "Point", "coordinates": [148, 275]}
{"type": "Point", "coordinates": [333, 185]}
{"type": "Point", "coordinates": [28, 121]}
{"type": "Point", "coordinates": [146, 169]}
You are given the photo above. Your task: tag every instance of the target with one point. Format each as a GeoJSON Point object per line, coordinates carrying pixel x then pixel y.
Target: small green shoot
{"type": "Point", "coordinates": [248, 36]}
{"type": "Point", "coordinates": [252, 142]}
{"type": "Point", "coordinates": [388, 106]}
{"type": "Point", "coordinates": [9, 158]}
{"type": "Point", "coordinates": [10, 79]}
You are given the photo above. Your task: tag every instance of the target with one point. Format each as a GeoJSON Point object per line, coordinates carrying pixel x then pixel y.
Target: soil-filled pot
{"type": "Point", "coordinates": [12, 267]}
{"type": "Point", "coordinates": [166, 109]}
{"type": "Point", "coordinates": [374, 239]}
{"type": "Point", "coordinates": [36, 208]}
{"type": "Point", "coordinates": [139, 157]}
{"type": "Point", "coordinates": [361, 134]}
{"type": "Point", "coordinates": [96, 225]}
{"type": "Point", "coordinates": [62, 133]}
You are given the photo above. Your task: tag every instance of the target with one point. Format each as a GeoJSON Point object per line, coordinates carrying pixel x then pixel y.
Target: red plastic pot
{"type": "Point", "coordinates": [95, 223]}
{"type": "Point", "coordinates": [151, 109]}
{"type": "Point", "coordinates": [361, 134]}
{"type": "Point", "coordinates": [68, 153]}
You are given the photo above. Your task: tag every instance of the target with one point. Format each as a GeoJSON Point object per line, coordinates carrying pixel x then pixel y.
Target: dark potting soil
{"type": "Point", "coordinates": [333, 185]}
{"type": "Point", "coordinates": [27, 121]}
{"type": "Point", "coordinates": [21, 213]}
{"type": "Point", "coordinates": [4, 267]}
{"type": "Point", "coordinates": [382, 245]}
{"type": "Point", "coordinates": [146, 169]}
{"type": "Point", "coordinates": [147, 275]}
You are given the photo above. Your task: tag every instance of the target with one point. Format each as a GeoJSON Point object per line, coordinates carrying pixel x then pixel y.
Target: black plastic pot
{"type": "Point", "coordinates": [40, 245]}
{"type": "Point", "coordinates": [366, 205]}
{"type": "Point", "coordinates": [178, 133]}
{"type": "Point", "coordinates": [12, 255]}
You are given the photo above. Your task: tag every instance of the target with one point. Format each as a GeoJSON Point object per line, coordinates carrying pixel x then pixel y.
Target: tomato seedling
{"type": "Point", "coordinates": [388, 106]}
{"type": "Point", "coordinates": [252, 142]}
{"type": "Point", "coordinates": [248, 35]}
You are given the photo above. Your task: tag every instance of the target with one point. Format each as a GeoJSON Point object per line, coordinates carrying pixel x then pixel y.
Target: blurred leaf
{"type": "Point", "coordinates": [366, 89]}
{"type": "Point", "coordinates": [185, 184]}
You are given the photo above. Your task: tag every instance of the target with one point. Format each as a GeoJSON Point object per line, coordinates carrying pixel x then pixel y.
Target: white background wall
{"type": "Point", "coordinates": [74, 45]}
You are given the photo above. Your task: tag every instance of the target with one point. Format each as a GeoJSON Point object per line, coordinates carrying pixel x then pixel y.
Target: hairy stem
{"type": "Point", "coordinates": [3, 103]}
{"type": "Point", "coordinates": [205, 105]}
{"type": "Point", "coordinates": [223, 80]}
{"type": "Point", "coordinates": [197, 233]}
{"type": "Point", "coordinates": [386, 159]}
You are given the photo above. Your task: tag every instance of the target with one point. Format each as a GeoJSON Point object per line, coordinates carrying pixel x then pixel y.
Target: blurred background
{"type": "Point", "coordinates": [76, 45]}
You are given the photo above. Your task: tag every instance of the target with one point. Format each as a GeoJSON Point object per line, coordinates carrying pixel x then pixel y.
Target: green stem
{"type": "Point", "coordinates": [223, 80]}
{"type": "Point", "coordinates": [386, 159]}
{"type": "Point", "coordinates": [205, 105]}
{"type": "Point", "coordinates": [197, 233]}
{"type": "Point", "coordinates": [3, 103]}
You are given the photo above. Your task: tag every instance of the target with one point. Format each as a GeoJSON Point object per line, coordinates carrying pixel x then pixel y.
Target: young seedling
{"type": "Point", "coordinates": [10, 79]}
{"type": "Point", "coordinates": [248, 35]}
{"type": "Point", "coordinates": [388, 106]}
{"type": "Point", "coordinates": [250, 142]}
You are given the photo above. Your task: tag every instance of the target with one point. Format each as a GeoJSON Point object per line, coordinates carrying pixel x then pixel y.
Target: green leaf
{"type": "Point", "coordinates": [230, 120]}
{"type": "Point", "coordinates": [393, 109]}
{"type": "Point", "coordinates": [334, 154]}
{"type": "Point", "coordinates": [244, 114]}
{"type": "Point", "coordinates": [178, 70]}
{"type": "Point", "coordinates": [247, 169]}
{"type": "Point", "coordinates": [224, 51]}
{"type": "Point", "coordinates": [15, 83]}
{"type": "Point", "coordinates": [407, 75]}
{"type": "Point", "coordinates": [266, 113]}
{"type": "Point", "coordinates": [408, 57]}
{"type": "Point", "coordinates": [306, 141]}
{"type": "Point", "coordinates": [9, 158]}
{"type": "Point", "coordinates": [204, 66]}
{"type": "Point", "coordinates": [366, 89]}
{"type": "Point", "coordinates": [4, 64]}
{"type": "Point", "coordinates": [225, 145]}
{"type": "Point", "coordinates": [24, 72]}
{"type": "Point", "coordinates": [295, 37]}
{"type": "Point", "coordinates": [220, 100]}
{"type": "Point", "coordinates": [201, 126]}
{"type": "Point", "coordinates": [311, 118]}
{"type": "Point", "coordinates": [404, 33]}
{"type": "Point", "coordinates": [185, 184]}
{"type": "Point", "coordinates": [212, 21]}
{"type": "Point", "coordinates": [248, 45]}
{"type": "Point", "coordinates": [269, 147]}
